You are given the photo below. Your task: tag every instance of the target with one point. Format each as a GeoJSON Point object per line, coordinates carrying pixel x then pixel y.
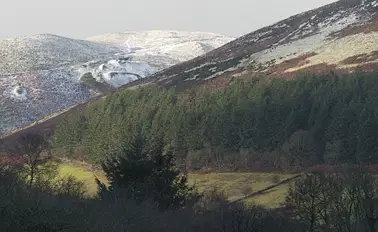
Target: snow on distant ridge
{"type": "Point", "coordinates": [117, 71]}
{"type": "Point", "coordinates": [23, 54]}
{"type": "Point", "coordinates": [42, 74]}
{"type": "Point", "coordinates": [177, 45]}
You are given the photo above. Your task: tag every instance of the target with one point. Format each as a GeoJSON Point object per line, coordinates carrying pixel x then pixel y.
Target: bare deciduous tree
{"type": "Point", "coordinates": [30, 150]}
{"type": "Point", "coordinates": [345, 201]}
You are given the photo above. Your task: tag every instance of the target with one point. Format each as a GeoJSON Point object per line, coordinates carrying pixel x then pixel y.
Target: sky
{"type": "Point", "coordinates": [84, 18]}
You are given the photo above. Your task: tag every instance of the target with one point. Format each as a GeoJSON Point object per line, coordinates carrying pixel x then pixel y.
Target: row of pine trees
{"type": "Point", "coordinates": [275, 124]}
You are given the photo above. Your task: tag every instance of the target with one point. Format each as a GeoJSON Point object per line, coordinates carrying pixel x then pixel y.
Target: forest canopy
{"type": "Point", "coordinates": [259, 123]}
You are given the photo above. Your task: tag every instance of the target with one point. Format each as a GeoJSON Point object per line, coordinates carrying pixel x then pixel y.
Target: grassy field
{"type": "Point", "coordinates": [272, 198]}
{"type": "Point", "coordinates": [237, 185]}
{"type": "Point", "coordinates": [234, 185]}
{"type": "Point", "coordinates": [83, 174]}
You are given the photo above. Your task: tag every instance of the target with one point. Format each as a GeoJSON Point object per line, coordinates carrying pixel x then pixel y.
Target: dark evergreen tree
{"type": "Point", "coordinates": [145, 172]}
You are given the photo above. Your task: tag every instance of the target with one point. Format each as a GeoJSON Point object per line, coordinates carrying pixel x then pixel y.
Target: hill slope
{"type": "Point", "coordinates": [176, 46]}
{"type": "Point", "coordinates": [339, 36]}
{"type": "Point", "coordinates": [44, 74]}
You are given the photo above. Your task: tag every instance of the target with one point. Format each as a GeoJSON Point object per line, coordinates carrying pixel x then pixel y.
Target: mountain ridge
{"type": "Point", "coordinates": [156, 42]}
{"type": "Point", "coordinates": [275, 49]}
{"type": "Point", "coordinates": [270, 51]}
{"type": "Point", "coordinates": [43, 74]}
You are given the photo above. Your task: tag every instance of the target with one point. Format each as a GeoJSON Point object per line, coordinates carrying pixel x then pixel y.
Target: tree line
{"type": "Point", "coordinates": [147, 192]}
{"type": "Point", "coordinates": [268, 124]}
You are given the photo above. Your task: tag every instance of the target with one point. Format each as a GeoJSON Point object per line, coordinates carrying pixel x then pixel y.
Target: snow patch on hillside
{"type": "Point", "coordinates": [46, 52]}
{"type": "Point", "coordinates": [290, 50]}
{"type": "Point", "coordinates": [198, 67]}
{"type": "Point", "coordinates": [338, 50]}
{"type": "Point", "coordinates": [19, 93]}
{"type": "Point", "coordinates": [221, 72]}
{"type": "Point", "coordinates": [118, 71]}
{"type": "Point", "coordinates": [177, 45]}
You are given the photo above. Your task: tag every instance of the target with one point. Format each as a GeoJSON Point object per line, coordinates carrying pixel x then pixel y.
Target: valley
{"type": "Point", "coordinates": [338, 37]}
{"type": "Point", "coordinates": [165, 130]}
{"type": "Point", "coordinates": [234, 186]}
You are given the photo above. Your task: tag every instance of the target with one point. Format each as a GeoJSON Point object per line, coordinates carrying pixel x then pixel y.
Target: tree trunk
{"type": "Point", "coordinates": [32, 175]}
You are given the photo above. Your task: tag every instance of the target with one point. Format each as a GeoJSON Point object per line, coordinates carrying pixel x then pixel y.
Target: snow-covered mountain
{"type": "Point", "coordinates": [43, 74]}
{"type": "Point", "coordinates": [340, 36]}
{"type": "Point", "coordinates": [174, 46]}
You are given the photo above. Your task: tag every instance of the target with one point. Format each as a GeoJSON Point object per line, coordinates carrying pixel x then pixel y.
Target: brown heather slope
{"type": "Point", "coordinates": [340, 37]}
{"type": "Point", "coordinates": [286, 46]}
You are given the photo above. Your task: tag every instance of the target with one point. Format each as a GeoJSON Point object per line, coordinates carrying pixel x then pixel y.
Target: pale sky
{"type": "Point", "coordinates": [84, 18]}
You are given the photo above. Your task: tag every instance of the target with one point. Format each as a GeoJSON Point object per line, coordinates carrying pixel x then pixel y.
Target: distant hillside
{"type": "Point", "coordinates": [178, 46]}
{"type": "Point", "coordinates": [340, 37]}
{"type": "Point", "coordinates": [43, 74]}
